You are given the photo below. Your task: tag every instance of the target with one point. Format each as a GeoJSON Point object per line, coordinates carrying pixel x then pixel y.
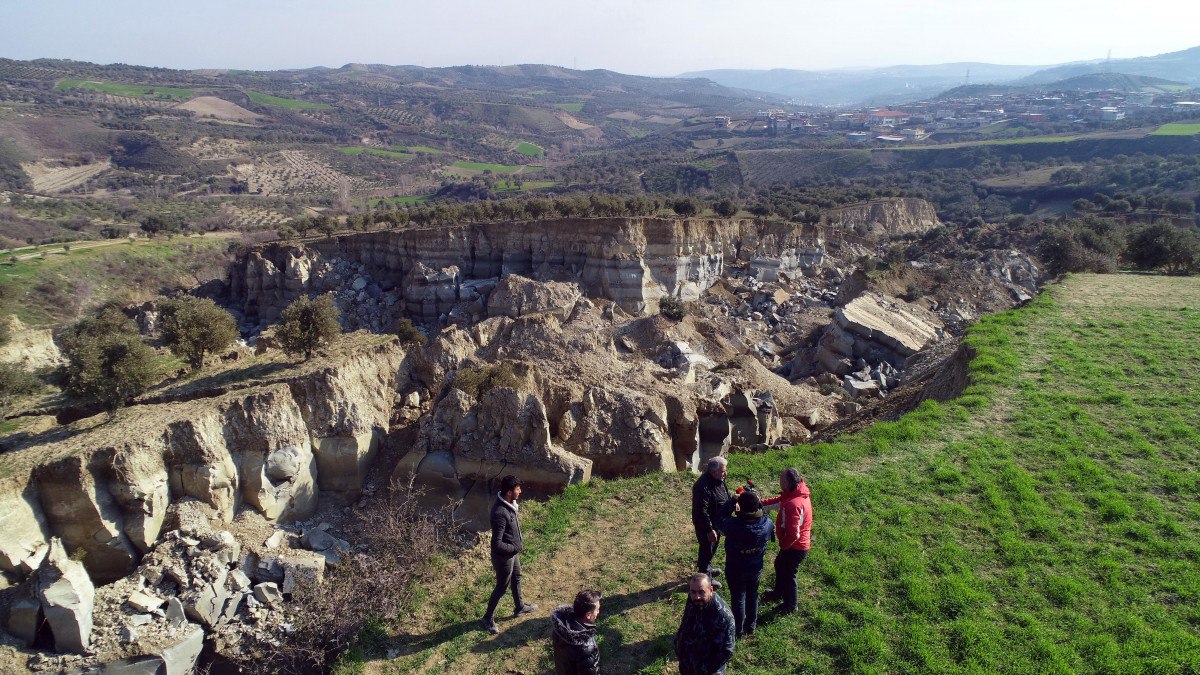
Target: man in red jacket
{"type": "Point", "coordinates": [793, 528]}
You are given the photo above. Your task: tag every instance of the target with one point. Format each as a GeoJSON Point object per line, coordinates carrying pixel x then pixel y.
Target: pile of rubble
{"type": "Point", "coordinates": [197, 585]}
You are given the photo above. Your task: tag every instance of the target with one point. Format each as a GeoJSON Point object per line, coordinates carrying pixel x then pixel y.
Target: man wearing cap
{"type": "Point", "coordinates": [507, 545]}
{"type": "Point", "coordinates": [747, 532]}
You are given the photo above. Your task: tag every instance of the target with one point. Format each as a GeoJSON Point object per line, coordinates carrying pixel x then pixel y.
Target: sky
{"type": "Point", "coordinates": [643, 37]}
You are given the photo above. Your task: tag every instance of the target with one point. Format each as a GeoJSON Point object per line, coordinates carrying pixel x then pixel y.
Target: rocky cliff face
{"type": "Point", "coordinates": [272, 447]}
{"type": "Point", "coordinates": [634, 262]}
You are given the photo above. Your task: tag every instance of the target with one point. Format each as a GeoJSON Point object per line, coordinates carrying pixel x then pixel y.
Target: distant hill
{"type": "Point", "coordinates": [898, 84]}
{"type": "Point", "coordinates": [1093, 82]}
{"type": "Point", "coordinates": [895, 84]}
{"type": "Point", "coordinates": [1181, 66]}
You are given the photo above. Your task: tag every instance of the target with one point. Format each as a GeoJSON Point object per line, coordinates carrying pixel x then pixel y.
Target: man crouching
{"type": "Point", "coordinates": [575, 648]}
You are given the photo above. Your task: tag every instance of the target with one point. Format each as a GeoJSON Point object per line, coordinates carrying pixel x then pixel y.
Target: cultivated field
{"type": "Point", "coordinates": [253, 218]}
{"type": "Point", "coordinates": [219, 108]}
{"type": "Point", "coordinates": [216, 148]}
{"type": "Point", "coordinates": [1043, 521]}
{"type": "Point", "coordinates": [394, 116]}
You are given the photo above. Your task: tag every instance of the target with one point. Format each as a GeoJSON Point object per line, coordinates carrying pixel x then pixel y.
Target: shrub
{"type": "Point", "coordinates": [672, 308]}
{"type": "Point", "coordinates": [479, 381]}
{"type": "Point", "coordinates": [408, 333]}
{"type": "Point", "coordinates": [16, 382]}
{"type": "Point", "coordinates": [1164, 246]}
{"type": "Point", "coordinates": [397, 542]}
{"type": "Point", "coordinates": [193, 327]}
{"type": "Point", "coordinates": [306, 325]}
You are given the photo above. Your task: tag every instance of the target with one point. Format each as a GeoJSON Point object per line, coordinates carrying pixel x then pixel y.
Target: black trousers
{"type": "Point", "coordinates": [508, 572]}
{"type": "Point", "coordinates": [787, 564]}
{"type": "Point", "coordinates": [707, 550]}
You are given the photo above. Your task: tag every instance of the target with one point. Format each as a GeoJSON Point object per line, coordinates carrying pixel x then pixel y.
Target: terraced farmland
{"type": "Point", "coordinates": [57, 179]}
{"type": "Point", "coordinates": [252, 218]}
{"type": "Point", "coordinates": [292, 172]}
{"type": "Point", "coordinates": [394, 116]}
{"type": "Point", "coordinates": [772, 167]}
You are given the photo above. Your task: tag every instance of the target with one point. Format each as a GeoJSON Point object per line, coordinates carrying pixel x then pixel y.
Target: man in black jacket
{"type": "Point", "coordinates": [507, 545]}
{"type": "Point", "coordinates": [709, 494]}
{"type": "Point", "coordinates": [575, 648]}
{"type": "Point", "coordinates": [704, 641]}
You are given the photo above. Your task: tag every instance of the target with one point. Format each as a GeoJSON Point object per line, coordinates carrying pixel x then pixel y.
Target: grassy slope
{"type": "Point", "coordinates": [62, 284]}
{"type": "Point", "coordinates": [1045, 521]}
{"type": "Point", "coordinates": [1177, 129]}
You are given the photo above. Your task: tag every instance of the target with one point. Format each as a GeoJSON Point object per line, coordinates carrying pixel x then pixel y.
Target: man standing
{"type": "Point", "coordinates": [747, 532]}
{"type": "Point", "coordinates": [709, 494]}
{"type": "Point", "coordinates": [507, 545]}
{"type": "Point", "coordinates": [575, 649]}
{"type": "Point", "coordinates": [793, 528]}
{"type": "Point", "coordinates": [704, 641]}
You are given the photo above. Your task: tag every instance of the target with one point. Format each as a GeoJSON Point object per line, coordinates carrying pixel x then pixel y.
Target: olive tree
{"type": "Point", "coordinates": [307, 324]}
{"type": "Point", "coordinates": [193, 327]}
{"type": "Point", "coordinates": [107, 362]}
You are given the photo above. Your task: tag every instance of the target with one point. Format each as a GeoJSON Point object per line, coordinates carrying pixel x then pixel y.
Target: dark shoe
{"type": "Point", "coordinates": [714, 572]}
{"type": "Point", "coordinates": [490, 626]}
{"type": "Point", "coordinates": [770, 596]}
{"type": "Point", "coordinates": [749, 631]}
{"type": "Point", "coordinates": [525, 609]}
{"type": "Point", "coordinates": [787, 610]}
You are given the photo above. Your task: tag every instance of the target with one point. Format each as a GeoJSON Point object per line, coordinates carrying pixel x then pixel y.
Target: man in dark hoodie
{"type": "Point", "coordinates": [575, 648]}
{"type": "Point", "coordinates": [747, 532]}
{"type": "Point", "coordinates": [709, 494]}
{"type": "Point", "coordinates": [507, 545]}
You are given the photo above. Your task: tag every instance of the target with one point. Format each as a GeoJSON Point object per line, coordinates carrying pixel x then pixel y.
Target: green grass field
{"type": "Point", "coordinates": [1177, 129]}
{"type": "Point", "coordinates": [570, 107]}
{"type": "Point", "coordinates": [130, 90]}
{"type": "Point", "coordinates": [420, 148]}
{"type": "Point", "coordinates": [291, 103]}
{"type": "Point", "coordinates": [529, 149]}
{"type": "Point", "coordinates": [1045, 521]}
{"type": "Point", "coordinates": [394, 154]}
{"type": "Point", "coordinates": [496, 168]}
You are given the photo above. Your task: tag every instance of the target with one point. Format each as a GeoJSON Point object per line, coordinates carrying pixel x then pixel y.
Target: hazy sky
{"type": "Point", "coordinates": [649, 37]}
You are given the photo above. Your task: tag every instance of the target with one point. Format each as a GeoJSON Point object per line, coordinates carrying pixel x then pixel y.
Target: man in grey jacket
{"type": "Point", "coordinates": [507, 545]}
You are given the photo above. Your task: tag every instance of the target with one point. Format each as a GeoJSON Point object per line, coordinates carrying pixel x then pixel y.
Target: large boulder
{"type": "Point", "coordinates": [516, 296]}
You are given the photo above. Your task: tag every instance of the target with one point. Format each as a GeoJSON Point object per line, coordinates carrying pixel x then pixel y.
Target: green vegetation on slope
{"type": "Point", "coordinates": [265, 99]}
{"type": "Point", "coordinates": [1044, 521]}
{"type": "Point", "coordinates": [1177, 129]}
{"type": "Point", "coordinates": [58, 284]}
{"type": "Point", "coordinates": [496, 168]}
{"type": "Point", "coordinates": [130, 90]}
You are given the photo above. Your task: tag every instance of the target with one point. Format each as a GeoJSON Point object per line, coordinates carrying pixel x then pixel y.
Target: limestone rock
{"type": "Point", "coordinates": [67, 594]}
